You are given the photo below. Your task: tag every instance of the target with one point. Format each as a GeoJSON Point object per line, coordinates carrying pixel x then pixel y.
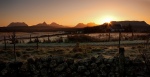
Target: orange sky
{"type": "Point", "coordinates": [72, 12]}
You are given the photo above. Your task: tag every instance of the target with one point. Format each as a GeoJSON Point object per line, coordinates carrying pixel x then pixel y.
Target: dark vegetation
{"type": "Point", "coordinates": [81, 38]}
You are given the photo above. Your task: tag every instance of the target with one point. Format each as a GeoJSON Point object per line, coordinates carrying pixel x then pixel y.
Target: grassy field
{"type": "Point", "coordinates": [82, 51]}
{"type": "Point", "coordinates": [90, 45]}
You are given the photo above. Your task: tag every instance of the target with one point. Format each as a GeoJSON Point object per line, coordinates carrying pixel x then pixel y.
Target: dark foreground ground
{"type": "Point", "coordinates": [55, 66]}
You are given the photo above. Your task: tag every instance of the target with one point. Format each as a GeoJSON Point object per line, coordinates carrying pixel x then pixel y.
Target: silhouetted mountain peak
{"type": "Point", "coordinates": [54, 24]}
{"type": "Point", "coordinates": [82, 25]}
{"type": "Point", "coordinates": [91, 24]}
{"type": "Point", "coordinates": [42, 24]}
{"type": "Point", "coordinates": [17, 24]}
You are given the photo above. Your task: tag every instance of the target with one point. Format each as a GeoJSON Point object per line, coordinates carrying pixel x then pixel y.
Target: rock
{"type": "Point", "coordinates": [105, 61]}
{"type": "Point", "coordinates": [93, 59]}
{"type": "Point", "coordinates": [127, 61]}
{"type": "Point", "coordinates": [73, 67]}
{"type": "Point", "coordinates": [93, 65]}
{"type": "Point", "coordinates": [81, 69]}
{"type": "Point", "coordinates": [2, 65]}
{"type": "Point", "coordinates": [59, 60]}
{"type": "Point", "coordinates": [44, 72]}
{"type": "Point", "coordinates": [110, 61]}
{"type": "Point", "coordinates": [30, 60]}
{"type": "Point", "coordinates": [68, 71]}
{"type": "Point", "coordinates": [104, 73]}
{"type": "Point", "coordinates": [53, 63]}
{"type": "Point", "coordinates": [87, 72]}
{"type": "Point", "coordinates": [70, 61]}
{"type": "Point", "coordinates": [61, 67]}
{"type": "Point", "coordinates": [99, 60]}
{"type": "Point", "coordinates": [102, 65]}
{"type": "Point", "coordinates": [74, 74]}
{"type": "Point", "coordinates": [15, 65]}
{"type": "Point", "coordinates": [94, 72]}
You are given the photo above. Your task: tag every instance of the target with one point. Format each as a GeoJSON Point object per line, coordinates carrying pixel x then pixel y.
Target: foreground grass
{"type": "Point", "coordinates": [85, 51]}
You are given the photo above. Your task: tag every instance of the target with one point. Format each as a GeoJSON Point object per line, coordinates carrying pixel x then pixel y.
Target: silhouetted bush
{"type": "Point", "coordinates": [81, 38]}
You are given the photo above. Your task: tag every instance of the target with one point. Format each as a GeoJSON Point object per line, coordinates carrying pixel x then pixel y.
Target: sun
{"type": "Point", "coordinates": [107, 20]}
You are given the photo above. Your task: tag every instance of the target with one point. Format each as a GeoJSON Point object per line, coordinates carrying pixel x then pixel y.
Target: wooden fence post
{"type": "Point", "coordinates": [14, 44]}
{"type": "Point", "coordinates": [37, 42]}
{"type": "Point", "coordinates": [48, 39]}
{"type": "Point", "coordinates": [132, 36]}
{"type": "Point", "coordinates": [30, 38]}
{"type": "Point", "coordinates": [5, 42]}
{"type": "Point", "coordinates": [109, 36]}
{"type": "Point", "coordinates": [119, 38]}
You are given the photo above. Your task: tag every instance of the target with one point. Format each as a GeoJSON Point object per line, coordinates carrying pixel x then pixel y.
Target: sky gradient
{"type": "Point", "coordinates": [72, 12]}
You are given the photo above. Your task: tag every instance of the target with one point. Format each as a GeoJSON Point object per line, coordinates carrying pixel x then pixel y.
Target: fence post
{"type": "Point", "coordinates": [37, 42]}
{"type": "Point", "coordinates": [30, 38]}
{"type": "Point", "coordinates": [48, 39]}
{"type": "Point", "coordinates": [132, 36]}
{"type": "Point", "coordinates": [119, 38]}
{"type": "Point", "coordinates": [14, 43]}
{"type": "Point", "coordinates": [5, 42]}
{"type": "Point", "coordinates": [109, 36]}
{"type": "Point", "coordinates": [121, 62]}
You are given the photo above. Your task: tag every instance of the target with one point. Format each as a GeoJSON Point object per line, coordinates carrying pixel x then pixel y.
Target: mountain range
{"type": "Point", "coordinates": [128, 26]}
{"type": "Point", "coordinates": [53, 24]}
{"type": "Point", "coordinates": [79, 25]}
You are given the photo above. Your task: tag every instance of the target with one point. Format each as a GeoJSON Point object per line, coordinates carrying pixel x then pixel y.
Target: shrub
{"type": "Point", "coordinates": [81, 38]}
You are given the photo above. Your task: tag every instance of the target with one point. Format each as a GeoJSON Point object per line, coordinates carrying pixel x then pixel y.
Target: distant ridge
{"type": "Point", "coordinates": [41, 24]}
{"type": "Point", "coordinates": [17, 24]}
{"type": "Point", "coordinates": [55, 25]}
{"type": "Point", "coordinates": [82, 25]}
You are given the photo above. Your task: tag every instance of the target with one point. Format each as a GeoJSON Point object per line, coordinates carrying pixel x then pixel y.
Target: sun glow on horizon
{"type": "Point", "coordinates": [105, 19]}
{"type": "Point", "coordinates": [108, 19]}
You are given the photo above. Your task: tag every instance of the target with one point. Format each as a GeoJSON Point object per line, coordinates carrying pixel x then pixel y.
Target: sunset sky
{"type": "Point", "coordinates": [72, 12]}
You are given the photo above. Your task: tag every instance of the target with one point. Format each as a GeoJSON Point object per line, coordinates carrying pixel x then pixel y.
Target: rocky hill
{"type": "Point", "coordinates": [41, 24]}
{"type": "Point", "coordinates": [82, 25]}
{"type": "Point", "coordinates": [56, 25]}
{"type": "Point", "coordinates": [17, 24]}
